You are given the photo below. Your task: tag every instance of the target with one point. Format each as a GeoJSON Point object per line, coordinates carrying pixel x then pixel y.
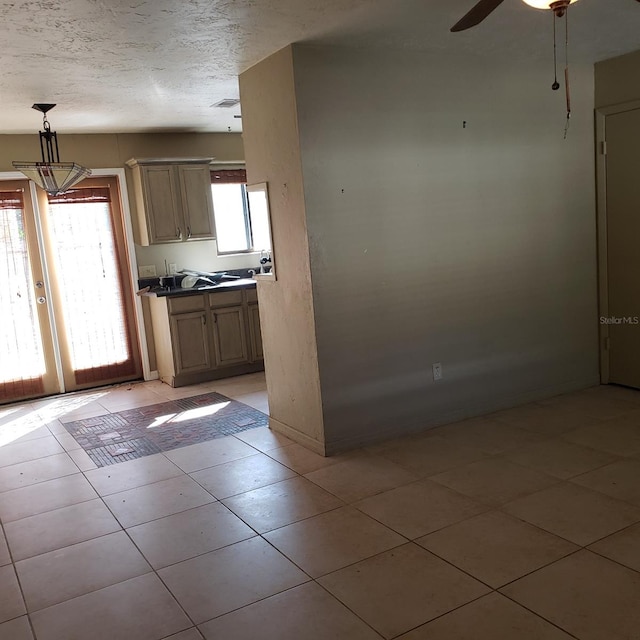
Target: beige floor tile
{"type": "Point", "coordinates": [82, 460]}
{"type": "Point", "coordinates": [45, 496]}
{"type": "Point", "coordinates": [544, 420]}
{"type": "Point", "coordinates": [258, 400]}
{"type": "Point", "coordinates": [60, 575]}
{"type": "Point", "coordinates": [60, 528]}
{"type": "Point", "coordinates": [623, 547]}
{"type": "Point", "coordinates": [360, 477]}
{"type": "Point", "coordinates": [239, 476]}
{"type": "Point", "coordinates": [16, 629]}
{"type": "Point", "coordinates": [575, 513]}
{"type": "Point", "coordinates": [67, 441]}
{"type": "Point", "coordinates": [264, 439]}
{"type": "Point", "coordinates": [430, 454]}
{"type": "Point", "coordinates": [125, 398]}
{"type": "Point", "coordinates": [402, 589]}
{"type": "Point", "coordinates": [619, 480]}
{"type": "Point", "coordinates": [56, 428]}
{"type": "Point", "coordinates": [131, 474]}
{"type": "Point", "coordinates": [18, 433]}
{"type": "Point", "coordinates": [492, 617]}
{"type": "Point", "coordinates": [299, 459]}
{"type": "Point", "coordinates": [89, 410]}
{"type": "Point", "coordinates": [208, 454]}
{"type": "Point", "coordinates": [11, 603]}
{"type": "Point", "coordinates": [619, 436]}
{"type": "Point", "coordinates": [138, 609]}
{"type": "Point", "coordinates": [495, 481]}
{"type": "Point", "coordinates": [560, 458]}
{"type": "Point", "coordinates": [157, 500]}
{"type": "Point", "coordinates": [238, 386]}
{"type": "Point", "coordinates": [420, 508]}
{"type": "Point", "coordinates": [487, 435]}
{"type": "Point", "coordinates": [496, 548]}
{"type": "Point", "coordinates": [282, 503]}
{"type": "Point", "coordinates": [29, 450]}
{"type": "Point", "coordinates": [333, 540]}
{"type": "Point", "coordinates": [41, 470]}
{"type": "Point", "coordinates": [189, 634]}
{"type": "Point", "coordinates": [584, 594]}
{"type": "Point", "coordinates": [5, 558]}
{"type": "Point", "coordinates": [306, 612]}
{"type": "Point", "coordinates": [227, 579]}
{"type": "Point", "coordinates": [592, 404]}
{"type": "Point", "coordinates": [188, 534]}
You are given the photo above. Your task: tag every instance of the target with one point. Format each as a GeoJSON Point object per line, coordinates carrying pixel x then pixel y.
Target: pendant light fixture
{"type": "Point", "coordinates": [53, 176]}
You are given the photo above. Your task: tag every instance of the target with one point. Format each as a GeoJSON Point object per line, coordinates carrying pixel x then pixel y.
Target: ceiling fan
{"type": "Point", "coordinates": [486, 7]}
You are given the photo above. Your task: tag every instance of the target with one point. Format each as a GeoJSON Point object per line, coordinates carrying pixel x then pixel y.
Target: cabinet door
{"type": "Point", "coordinates": [230, 336]}
{"type": "Point", "coordinates": [161, 203]}
{"type": "Point", "coordinates": [254, 333]}
{"type": "Point", "coordinates": [190, 340]}
{"type": "Point", "coordinates": [197, 203]}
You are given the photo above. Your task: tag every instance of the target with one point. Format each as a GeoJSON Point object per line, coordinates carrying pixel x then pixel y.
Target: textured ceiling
{"type": "Point", "coordinates": [159, 65]}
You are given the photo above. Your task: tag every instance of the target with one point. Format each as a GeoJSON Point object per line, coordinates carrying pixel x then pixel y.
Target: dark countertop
{"type": "Point", "coordinates": [231, 285]}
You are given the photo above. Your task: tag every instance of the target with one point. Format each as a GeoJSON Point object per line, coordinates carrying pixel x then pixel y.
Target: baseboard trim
{"type": "Point", "coordinates": [301, 438]}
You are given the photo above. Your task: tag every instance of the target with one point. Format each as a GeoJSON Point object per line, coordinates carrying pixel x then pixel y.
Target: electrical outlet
{"type": "Point", "coordinates": [173, 268]}
{"type": "Point", "coordinates": [437, 371]}
{"type": "Point", "coordinates": [148, 271]}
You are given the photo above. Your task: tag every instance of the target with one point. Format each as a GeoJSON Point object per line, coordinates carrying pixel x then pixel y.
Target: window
{"type": "Point", "coordinates": [238, 229]}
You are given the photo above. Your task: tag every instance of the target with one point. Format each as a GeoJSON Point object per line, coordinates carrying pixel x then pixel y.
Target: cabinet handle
{"type": "Point", "coordinates": [215, 317]}
{"type": "Point", "coordinates": [178, 232]}
{"type": "Point", "coordinates": [188, 232]}
{"type": "Point", "coordinates": [204, 317]}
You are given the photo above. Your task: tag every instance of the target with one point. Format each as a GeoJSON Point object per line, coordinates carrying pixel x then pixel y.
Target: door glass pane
{"type": "Point", "coordinates": [89, 282]}
{"type": "Point", "coordinates": [21, 349]}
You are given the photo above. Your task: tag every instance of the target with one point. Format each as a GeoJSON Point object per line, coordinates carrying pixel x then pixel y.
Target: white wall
{"type": "Point", "coordinates": [430, 242]}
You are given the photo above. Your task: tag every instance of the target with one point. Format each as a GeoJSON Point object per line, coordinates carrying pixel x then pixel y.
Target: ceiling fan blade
{"type": "Point", "coordinates": [477, 14]}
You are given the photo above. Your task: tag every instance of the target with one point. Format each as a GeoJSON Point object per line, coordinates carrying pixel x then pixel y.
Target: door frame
{"type": "Point", "coordinates": [601, 222]}
{"type": "Point", "coordinates": [132, 270]}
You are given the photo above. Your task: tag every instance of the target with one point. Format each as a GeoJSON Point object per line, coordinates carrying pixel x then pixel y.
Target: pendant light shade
{"type": "Point", "coordinates": [548, 4]}
{"type": "Point", "coordinates": [53, 176]}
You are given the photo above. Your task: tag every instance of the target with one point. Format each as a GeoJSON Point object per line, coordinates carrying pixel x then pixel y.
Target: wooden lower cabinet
{"type": "Point", "coordinates": [255, 335]}
{"type": "Point", "coordinates": [190, 340]}
{"type": "Point", "coordinates": [206, 336]}
{"type": "Point", "coordinates": [230, 336]}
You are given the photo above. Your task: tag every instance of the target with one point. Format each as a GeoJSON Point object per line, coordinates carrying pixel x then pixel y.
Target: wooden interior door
{"type": "Point", "coordinates": [623, 248]}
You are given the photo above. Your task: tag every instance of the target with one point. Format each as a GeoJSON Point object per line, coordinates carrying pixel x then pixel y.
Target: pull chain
{"type": "Point", "coordinates": [566, 73]}
{"type": "Point", "coordinates": [556, 85]}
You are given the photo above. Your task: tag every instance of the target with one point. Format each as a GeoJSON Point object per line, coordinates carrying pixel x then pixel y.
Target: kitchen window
{"type": "Point", "coordinates": [237, 230]}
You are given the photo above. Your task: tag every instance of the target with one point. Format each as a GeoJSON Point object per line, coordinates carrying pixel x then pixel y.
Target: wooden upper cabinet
{"type": "Point", "coordinates": [197, 204]}
{"type": "Point", "coordinates": [173, 199]}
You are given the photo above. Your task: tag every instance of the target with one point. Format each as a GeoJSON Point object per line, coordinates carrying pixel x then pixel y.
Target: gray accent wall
{"type": "Point", "coordinates": [434, 241]}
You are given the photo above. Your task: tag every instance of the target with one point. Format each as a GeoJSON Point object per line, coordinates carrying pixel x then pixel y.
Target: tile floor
{"type": "Point", "coordinates": [521, 525]}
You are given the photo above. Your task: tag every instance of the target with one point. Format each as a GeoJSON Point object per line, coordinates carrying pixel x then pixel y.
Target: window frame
{"type": "Point", "coordinates": [246, 215]}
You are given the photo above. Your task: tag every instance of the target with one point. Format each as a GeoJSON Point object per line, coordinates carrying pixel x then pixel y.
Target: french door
{"type": "Point", "coordinates": [67, 308]}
